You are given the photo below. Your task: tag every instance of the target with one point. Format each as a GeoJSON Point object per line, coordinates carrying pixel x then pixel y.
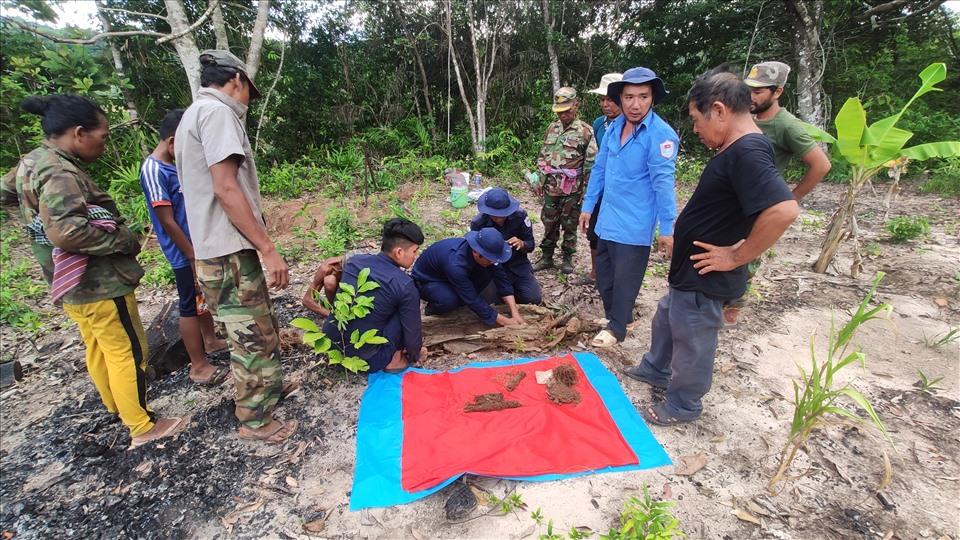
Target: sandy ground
{"type": "Point", "coordinates": [61, 461]}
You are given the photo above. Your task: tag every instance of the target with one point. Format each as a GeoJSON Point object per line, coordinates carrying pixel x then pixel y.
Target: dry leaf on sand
{"type": "Point", "coordinates": [691, 464]}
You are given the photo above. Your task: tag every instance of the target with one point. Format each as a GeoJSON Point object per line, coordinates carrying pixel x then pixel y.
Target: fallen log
{"type": "Point", "coordinates": [166, 353]}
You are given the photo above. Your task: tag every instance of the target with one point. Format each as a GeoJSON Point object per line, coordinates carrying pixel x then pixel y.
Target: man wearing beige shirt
{"type": "Point", "coordinates": [222, 196]}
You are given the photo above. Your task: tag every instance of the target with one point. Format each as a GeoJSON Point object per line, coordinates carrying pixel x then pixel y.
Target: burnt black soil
{"type": "Point", "coordinates": [75, 478]}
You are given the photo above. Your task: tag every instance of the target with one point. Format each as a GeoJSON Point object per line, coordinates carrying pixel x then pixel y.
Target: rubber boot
{"type": "Point", "coordinates": [545, 262]}
{"type": "Point", "coordinates": [567, 265]}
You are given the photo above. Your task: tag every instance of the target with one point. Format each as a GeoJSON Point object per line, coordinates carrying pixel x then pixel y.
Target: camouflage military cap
{"type": "Point", "coordinates": [564, 99]}
{"type": "Point", "coordinates": [767, 74]}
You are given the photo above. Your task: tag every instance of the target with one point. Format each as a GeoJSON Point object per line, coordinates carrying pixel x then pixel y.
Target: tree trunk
{"type": "Point", "coordinates": [807, 49]}
{"type": "Point", "coordinates": [551, 52]}
{"type": "Point", "coordinates": [219, 28]}
{"type": "Point", "coordinates": [256, 39]}
{"type": "Point", "coordinates": [121, 72]}
{"type": "Point", "coordinates": [412, 38]}
{"type": "Point", "coordinates": [185, 45]}
{"type": "Point", "coordinates": [456, 69]}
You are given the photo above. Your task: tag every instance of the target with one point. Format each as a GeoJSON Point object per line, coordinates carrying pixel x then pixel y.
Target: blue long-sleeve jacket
{"type": "Point", "coordinates": [517, 224]}
{"type": "Point", "coordinates": [396, 309]}
{"type": "Point", "coordinates": [450, 261]}
{"type": "Point", "coordinates": [636, 180]}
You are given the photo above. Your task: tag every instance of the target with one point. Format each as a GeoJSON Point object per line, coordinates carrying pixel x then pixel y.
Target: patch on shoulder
{"type": "Point", "coordinates": [526, 221]}
{"type": "Point", "coordinates": [667, 149]}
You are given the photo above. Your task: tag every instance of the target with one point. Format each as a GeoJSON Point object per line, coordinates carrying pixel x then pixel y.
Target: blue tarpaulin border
{"type": "Point", "coordinates": [376, 479]}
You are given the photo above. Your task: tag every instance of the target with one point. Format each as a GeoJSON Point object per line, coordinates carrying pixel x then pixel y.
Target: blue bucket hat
{"type": "Point", "coordinates": [638, 75]}
{"type": "Point", "coordinates": [497, 202]}
{"type": "Point", "coordinates": [489, 243]}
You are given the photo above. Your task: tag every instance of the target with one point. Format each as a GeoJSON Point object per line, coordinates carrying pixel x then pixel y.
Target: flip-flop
{"type": "Point", "coordinates": [225, 348]}
{"type": "Point", "coordinates": [643, 378]}
{"type": "Point", "coordinates": [603, 340]}
{"type": "Point", "coordinates": [177, 427]}
{"type": "Point", "coordinates": [216, 378]}
{"type": "Point", "coordinates": [285, 430]}
{"type": "Point", "coordinates": [657, 414]}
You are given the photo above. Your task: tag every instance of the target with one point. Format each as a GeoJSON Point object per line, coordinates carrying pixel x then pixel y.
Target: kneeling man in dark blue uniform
{"type": "Point", "coordinates": [396, 303]}
{"type": "Point", "coordinates": [452, 272]}
{"type": "Point", "coordinates": [502, 212]}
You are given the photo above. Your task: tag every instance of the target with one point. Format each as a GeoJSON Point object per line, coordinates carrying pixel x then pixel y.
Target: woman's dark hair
{"type": "Point", "coordinates": [168, 126]}
{"type": "Point", "coordinates": [61, 112]}
{"type": "Point", "coordinates": [213, 75]}
{"type": "Point", "coordinates": [723, 85]}
{"type": "Point", "coordinates": [399, 232]}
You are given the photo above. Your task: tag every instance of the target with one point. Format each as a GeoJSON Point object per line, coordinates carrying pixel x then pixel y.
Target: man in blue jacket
{"type": "Point", "coordinates": [610, 112]}
{"type": "Point", "coordinates": [452, 273]}
{"type": "Point", "coordinates": [396, 304]}
{"type": "Point", "coordinates": [634, 172]}
{"type": "Point", "coordinates": [502, 212]}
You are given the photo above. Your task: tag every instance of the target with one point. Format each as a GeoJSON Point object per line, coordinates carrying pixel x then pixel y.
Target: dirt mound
{"type": "Point", "coordinates": [489, 403]}
{"type": "Point", "coordinates": [561, 389]}
{"type": "Point", "coordinates": [511, 379]}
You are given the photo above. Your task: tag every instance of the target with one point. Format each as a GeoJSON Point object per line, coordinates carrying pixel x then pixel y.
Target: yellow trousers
{"type": "Point", "coordinates": [116, 357]}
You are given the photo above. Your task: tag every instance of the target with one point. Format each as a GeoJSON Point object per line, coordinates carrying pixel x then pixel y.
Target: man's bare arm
{"type": "Point", "coordinates": [770, 225]}
{"type": "Point", "coordinates": [238, 210]}
{"type": "Point", "coordinates": [818, 165]}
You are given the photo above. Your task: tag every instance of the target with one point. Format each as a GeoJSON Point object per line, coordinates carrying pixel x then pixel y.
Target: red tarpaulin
{"type": "Point", "coordinates": [440, 440]}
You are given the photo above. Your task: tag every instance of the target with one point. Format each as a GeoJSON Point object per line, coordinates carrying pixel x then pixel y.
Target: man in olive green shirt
{"type": "Point", "coordinates": [789, 139]}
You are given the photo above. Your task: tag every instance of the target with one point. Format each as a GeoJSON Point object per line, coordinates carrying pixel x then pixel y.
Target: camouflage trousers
{"type": "Point", "coordinates": [560, 212]}
{"type": "Point", "coordinates": [236, 293]}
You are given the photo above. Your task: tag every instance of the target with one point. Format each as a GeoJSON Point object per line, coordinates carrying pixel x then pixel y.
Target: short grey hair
{"type": "Point", "coordinates": [719, 84]}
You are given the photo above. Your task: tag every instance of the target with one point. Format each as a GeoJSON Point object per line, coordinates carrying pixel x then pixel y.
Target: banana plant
{"type": "Point", "coordinates": [869, 149]}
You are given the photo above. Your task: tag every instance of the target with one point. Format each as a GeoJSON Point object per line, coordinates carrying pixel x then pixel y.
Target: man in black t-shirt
{"type": "Point", "coordinates": [740, 208]}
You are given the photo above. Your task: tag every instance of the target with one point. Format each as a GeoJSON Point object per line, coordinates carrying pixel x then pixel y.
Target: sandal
{"type": "Point", "coordinates": [216, 378]}
{"type": "Point", "coordinates": [289, 388]}
{"type": "Point", "coordinates": [154, 434]}
{"type": "Point", "coordinates": [284, 430]}
{"type": "Point", "coordinates": [603, 340]}
{"type": "Point", "coordinates": [634, 373]}
{"type": "Point", "coordinates": [657, 414]}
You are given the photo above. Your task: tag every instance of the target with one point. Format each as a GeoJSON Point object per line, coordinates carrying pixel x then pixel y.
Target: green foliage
{"type": "Point", "coordinates": [158, 271]}
{"type": "Point", "coordinates": [18, 289]}
{"type": "Point", "coordinates": [340, 232]}
{"type": "Point", "coordinates": [944, 178]}
{"type": "Point", "coordinates": [926, 385]}
{"type": "Point", "coordinates": [904, 228]}
{"type": "Point", "coordinates": [941, 339]}
{"type": "Point", "coordinates": [815, 394]}
{"type": "Point", "coordinates": [349, 304]}
{"type": "Point", "coordinates": [511, 503]}
{"type": "Point", "coordinates": [290, 180]}
{"type": "Point", "coordinates": [646, 519]}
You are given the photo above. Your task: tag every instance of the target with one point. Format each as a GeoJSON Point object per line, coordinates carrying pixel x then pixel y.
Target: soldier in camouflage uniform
{"type": "Point", "coordinates": [55, 194]}
{"type": "Point", "coordinates": [565, 161]}
{"type": "Point", "coordinates": [222, 196]}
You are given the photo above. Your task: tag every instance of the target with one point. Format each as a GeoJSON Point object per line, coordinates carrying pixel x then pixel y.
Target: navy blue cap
{"type": "Point", "coordinates": [497, 202]}
{"type": "Point", "coordinates": [638, 75]}
{"type": "Point", "coordinates": [489, 243]}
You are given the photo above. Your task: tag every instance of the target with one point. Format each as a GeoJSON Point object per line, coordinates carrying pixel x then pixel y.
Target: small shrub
{"type": "Point", "coordinates": [289, 180]}
{"type": "Point", "coordinates": [904, 228]}
{"type": "Point", "coordinates": [646, 519]}
{"type": "Point", "coordinates": [158, 271]}
{"type": "Point", "coordinates": [944, 178]}
{"type": "Point", "coordinates": [18, 288]}
{"type": "Point", "coordinates": [340, 233]}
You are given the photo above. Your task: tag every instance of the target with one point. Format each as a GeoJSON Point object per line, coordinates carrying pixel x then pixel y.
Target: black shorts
{"type": "Point", "coordinates": [186, 290]}
{"type": "Point", "coordinates": [591, 233]}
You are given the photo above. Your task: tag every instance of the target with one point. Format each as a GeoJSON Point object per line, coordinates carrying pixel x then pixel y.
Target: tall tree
{"type": "Point", "coordinates": [551, 52]}
{"type": "Point", "coordinates": [808, 50]}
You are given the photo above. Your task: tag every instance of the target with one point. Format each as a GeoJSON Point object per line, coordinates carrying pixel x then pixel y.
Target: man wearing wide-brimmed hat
{"type": "Point", "coordinates": [565, 160]}
{"type": "Point", "coordinates": [610, 112]}
{"type": "Point", "coordinates": [452, 272]}
{"type": "Point", "coordinates": [634, 173]}
{"type": "Point", "coordinates": [502, 212]}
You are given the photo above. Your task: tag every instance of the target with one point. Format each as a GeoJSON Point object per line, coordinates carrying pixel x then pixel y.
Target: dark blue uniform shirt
{"type": "Point", "coordinates": [517, 224]}
{"type": "Point", "coordinates": [450, 261]}
{"type": "Point", "coordinates": [396, 311]}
